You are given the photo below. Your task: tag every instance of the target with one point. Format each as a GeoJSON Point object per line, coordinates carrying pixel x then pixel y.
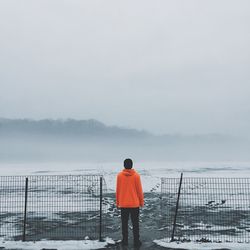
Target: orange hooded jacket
{"type": "Point", "coordinates": [129, 192]}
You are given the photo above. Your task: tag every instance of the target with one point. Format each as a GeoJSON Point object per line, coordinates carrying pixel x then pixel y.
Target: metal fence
{"type": "Point", "coordinates": [52, 207]}
{"type": "Point", "coordinates": [206, 209]}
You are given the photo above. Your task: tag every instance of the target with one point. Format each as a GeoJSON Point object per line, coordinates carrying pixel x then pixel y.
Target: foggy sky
{"type": "Point", "coordinates": [164, 66]}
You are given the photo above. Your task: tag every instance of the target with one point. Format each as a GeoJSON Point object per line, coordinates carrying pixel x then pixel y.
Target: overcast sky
{"type": "Point", "coordinates": [164, 66]}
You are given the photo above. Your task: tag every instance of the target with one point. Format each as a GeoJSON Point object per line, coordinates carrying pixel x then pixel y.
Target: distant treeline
{"type": "Point", "coordinates": [25, 139]}
{"type": "Point", "coordinates": [89, 128]}
{"type": "Point", "coordinates": [69, 127]}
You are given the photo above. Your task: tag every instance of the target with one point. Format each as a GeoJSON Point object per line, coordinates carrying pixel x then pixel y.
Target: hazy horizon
{"type": "Point", "coordinates": [91, 140]}
{"type": "Point", "coordinates": [166, 67]}
{"type": "Point", "coordinates": [63, 120]}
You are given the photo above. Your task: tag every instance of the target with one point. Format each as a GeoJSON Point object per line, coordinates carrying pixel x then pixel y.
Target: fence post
{"type": "Point", "coordinates": [25, 209]}
{"type": "Point", "coordinates": [161, 195]}
{"type": "Point", "coordinates": [176, 208]}
{"type": "Point", "coordinates": [100, 217]}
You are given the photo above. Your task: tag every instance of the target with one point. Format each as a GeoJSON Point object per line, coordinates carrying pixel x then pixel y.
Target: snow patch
{"type": "Point", "coordinates": [201, 245]}
{"type": "Point", "coordinates": [57, 244]}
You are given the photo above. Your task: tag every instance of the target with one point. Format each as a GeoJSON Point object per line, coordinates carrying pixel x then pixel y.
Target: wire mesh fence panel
{"type": "Point", "coordinates": [12, 196]}
{"type": "Point", "coordinates": [210, 209]}
{"type": "Point", "coordinates": [169, 192]}
{"type": "Point", "coordinates": [58, 207]}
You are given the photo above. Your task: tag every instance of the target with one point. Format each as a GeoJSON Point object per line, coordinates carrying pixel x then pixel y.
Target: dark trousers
{"type": "Point", "coordinates": [134, 213]}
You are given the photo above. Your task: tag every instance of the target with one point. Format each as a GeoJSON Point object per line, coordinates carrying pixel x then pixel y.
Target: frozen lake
{"type": "Point", "coordinates": [151, 172]}
{"type": "Point", "coordinates": [71, 214]}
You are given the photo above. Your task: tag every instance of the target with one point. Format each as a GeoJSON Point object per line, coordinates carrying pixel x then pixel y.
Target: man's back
{"type": "Point", "coordinates": [129, 189]}
{"type": "Point", "coordinates": [129, 197]}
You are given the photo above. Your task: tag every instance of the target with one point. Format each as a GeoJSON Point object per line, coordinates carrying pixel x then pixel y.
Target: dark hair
{"type": "Point", "coordinates": [128, 163]}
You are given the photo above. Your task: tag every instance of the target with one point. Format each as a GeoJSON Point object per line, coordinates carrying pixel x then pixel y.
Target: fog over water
{"type": "Point", "coordinates": [176, 69]}
{"type": "Point", "coordinates": [167, 67]}
{"type": "Point", "coordinates": [93, 141]}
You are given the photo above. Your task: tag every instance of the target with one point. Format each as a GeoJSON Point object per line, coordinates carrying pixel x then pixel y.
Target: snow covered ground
{"type": "Point", "coordinates": [151, 173]}
{"type": "Point", "coordinates": [201, 246]}
{"type": "Point", "coordinates": [59, 245]}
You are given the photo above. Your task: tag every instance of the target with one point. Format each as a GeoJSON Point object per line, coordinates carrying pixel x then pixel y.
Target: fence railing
{"type": "Point", "coordinates": [52, 207]}
{"type": "Point", "coordinates": [208, 209]}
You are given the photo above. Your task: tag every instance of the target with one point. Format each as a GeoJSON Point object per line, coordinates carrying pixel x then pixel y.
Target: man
{"type": "Point", "coordinates": [129, 197]}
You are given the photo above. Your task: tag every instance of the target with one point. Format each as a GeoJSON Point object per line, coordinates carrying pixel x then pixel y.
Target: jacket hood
{"type": "Point", "coordinates": [128, 172]}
